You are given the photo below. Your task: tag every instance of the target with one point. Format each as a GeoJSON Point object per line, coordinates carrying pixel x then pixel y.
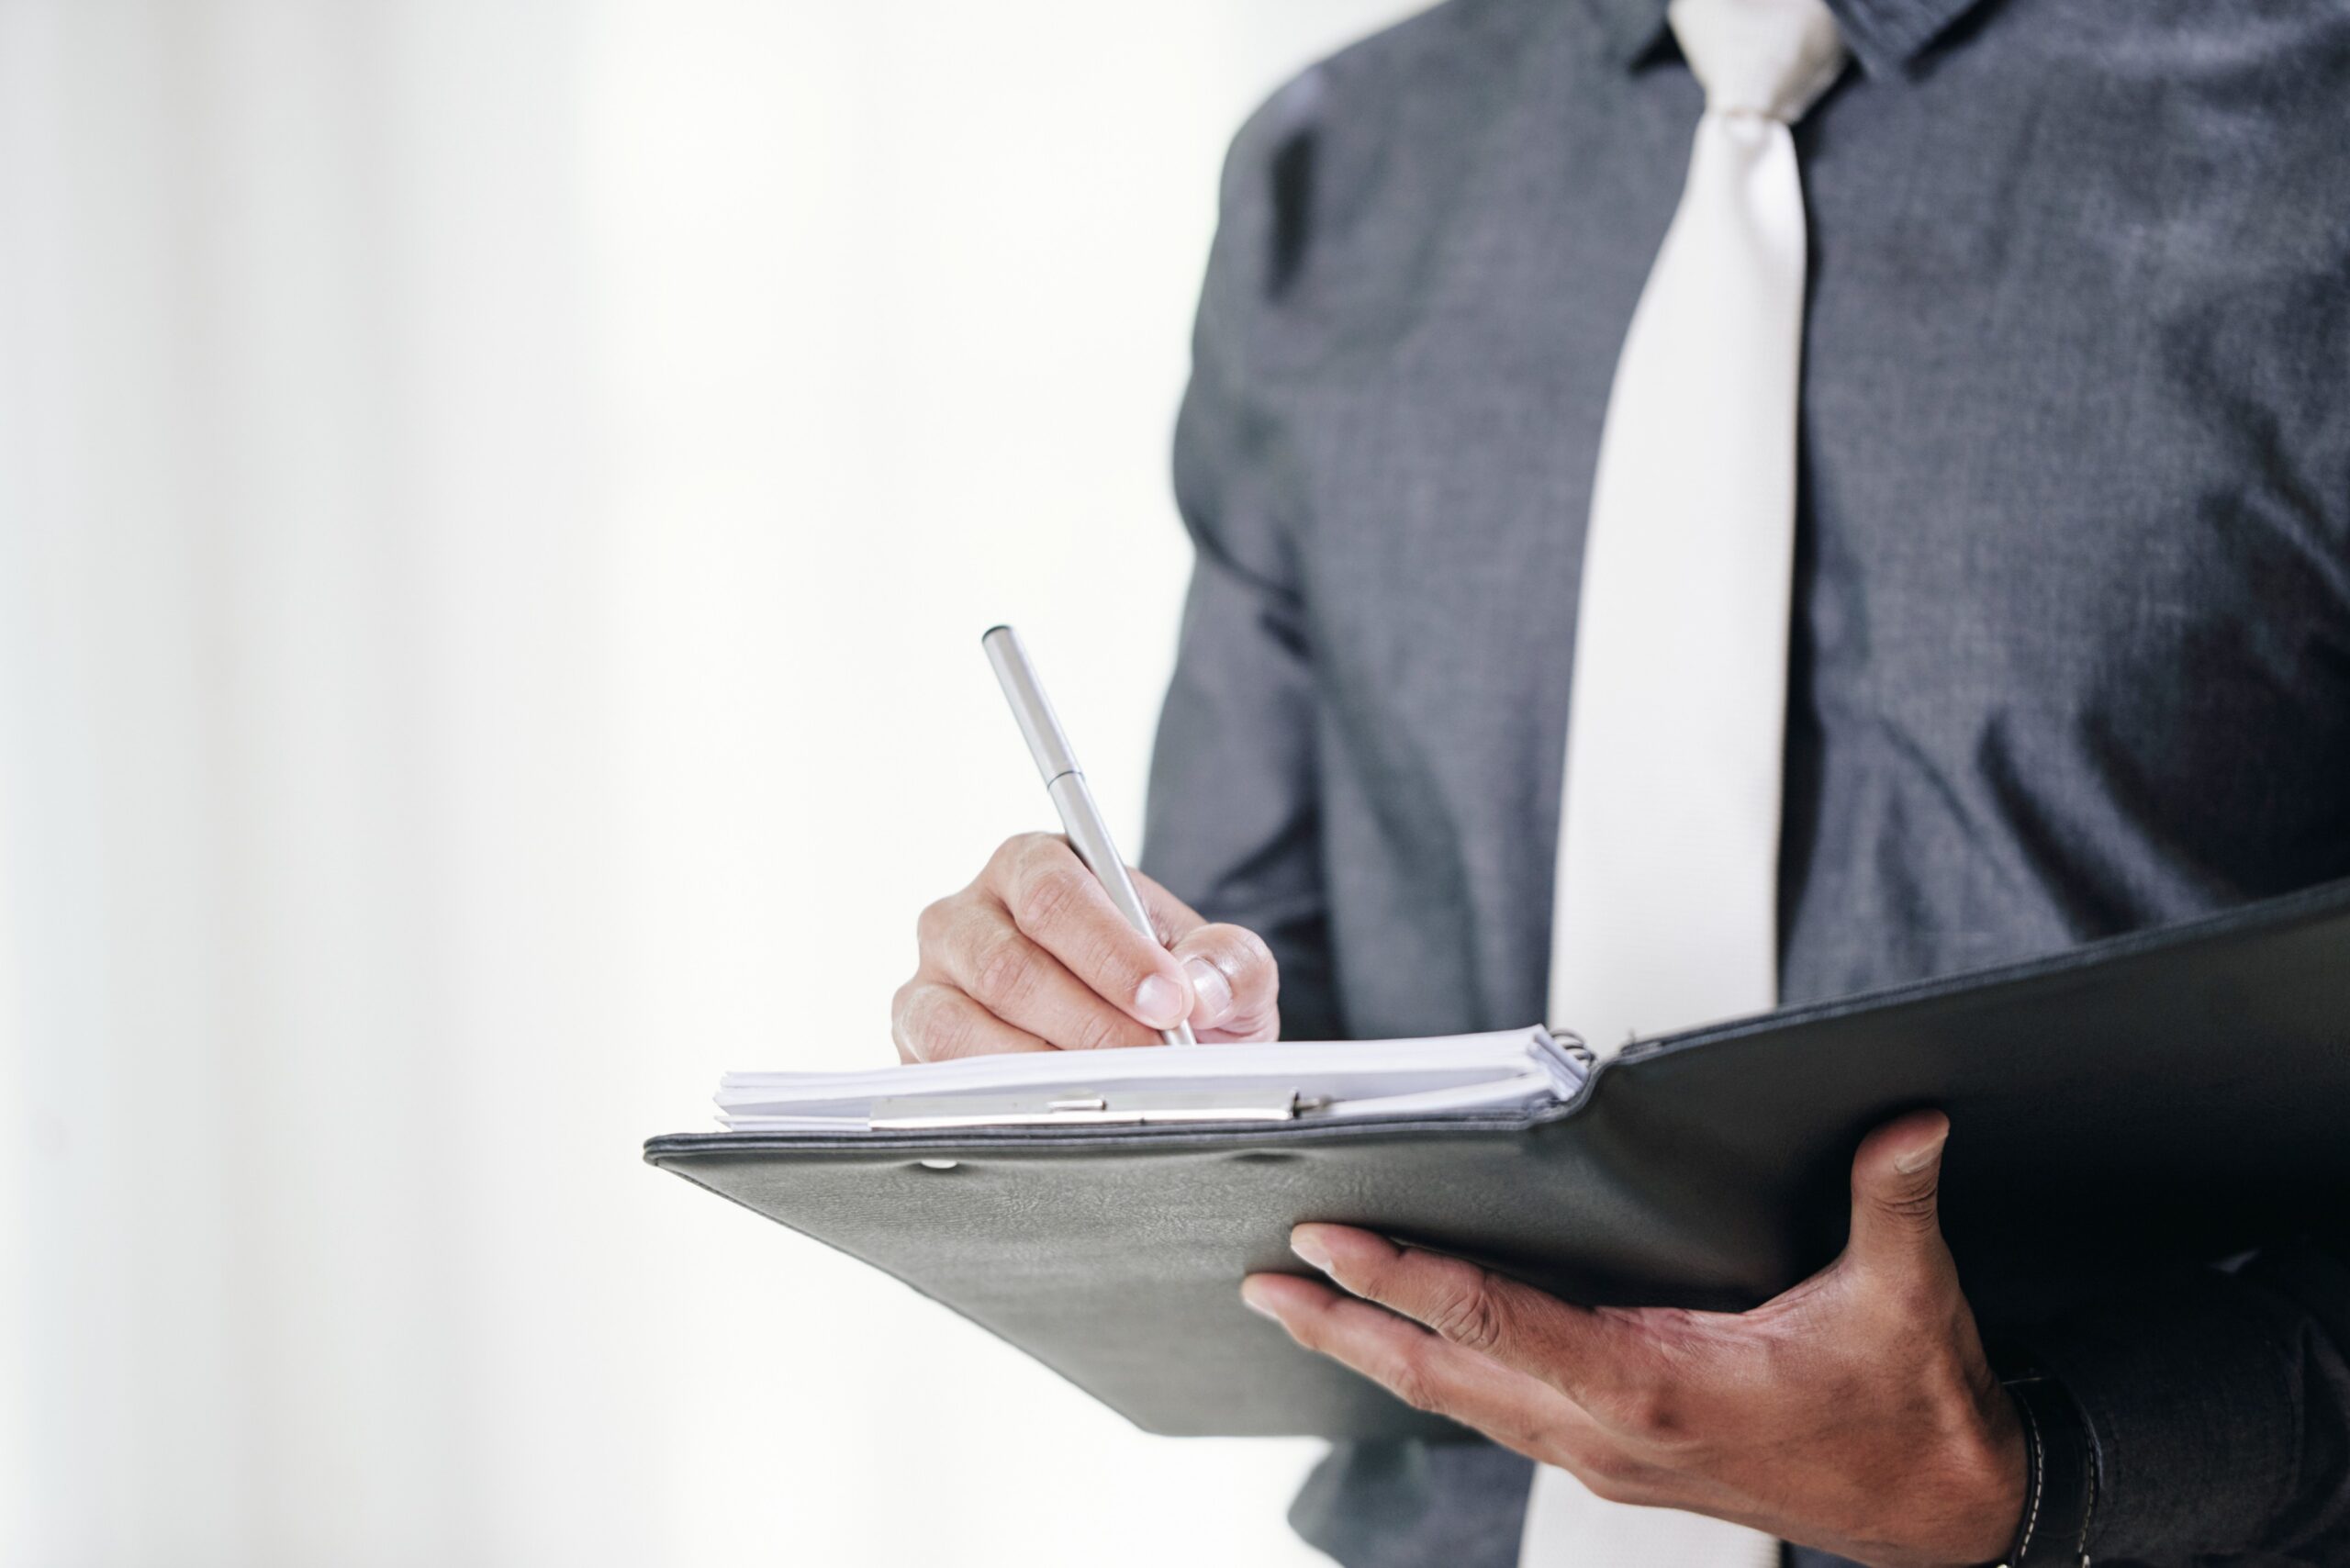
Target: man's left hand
{"type": "Point", "coordinates": [1855, 1413]}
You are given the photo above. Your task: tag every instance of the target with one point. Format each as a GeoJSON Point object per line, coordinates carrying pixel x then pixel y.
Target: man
{"type": "Point", "coordinates": [2055, 548]}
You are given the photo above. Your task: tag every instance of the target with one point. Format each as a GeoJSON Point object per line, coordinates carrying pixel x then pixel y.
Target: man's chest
{"type": "Point", "coordinates": [2073, 603]}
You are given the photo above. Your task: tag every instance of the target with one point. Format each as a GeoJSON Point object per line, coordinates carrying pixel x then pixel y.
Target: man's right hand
{"type": "Point", "coordinates": [1033, 957]}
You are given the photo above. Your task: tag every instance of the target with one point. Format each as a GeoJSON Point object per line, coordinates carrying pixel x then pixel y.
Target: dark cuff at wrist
{"type": "Point", "coordinates": [2061, 1473]}
{"type": "Point", "coordinates": [2192, 1424]}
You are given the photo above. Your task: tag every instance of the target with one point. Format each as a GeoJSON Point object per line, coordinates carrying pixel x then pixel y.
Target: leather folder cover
{"type": "Point", "coordinates": [2179, 1095]}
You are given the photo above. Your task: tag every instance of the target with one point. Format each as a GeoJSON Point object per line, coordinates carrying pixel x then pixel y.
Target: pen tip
{"type": "Point", "coordinates": [991, 631]}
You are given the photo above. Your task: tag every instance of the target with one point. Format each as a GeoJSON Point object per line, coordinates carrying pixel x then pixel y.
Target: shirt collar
{"type": "Point", "coordinates": [1885, 36]}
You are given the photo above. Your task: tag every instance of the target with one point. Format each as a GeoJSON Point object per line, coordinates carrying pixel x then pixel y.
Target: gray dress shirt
{"type": "Point", "coordinates": [2072, 614]}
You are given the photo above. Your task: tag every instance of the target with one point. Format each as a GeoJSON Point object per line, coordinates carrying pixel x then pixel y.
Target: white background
{"type": "Point", "coordinates": [496, 505]}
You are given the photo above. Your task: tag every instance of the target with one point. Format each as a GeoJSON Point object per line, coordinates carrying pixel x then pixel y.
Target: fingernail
{"type": "Point", "coordinates": [1308, 1246]}
{"type": "Point", "coordinates": [1252, 1297]}
{"type": "Point", "coordinates": [1917, 1160]}
{"type": "Point", "coordinates": [1158, 1002]}
{"type": "Point", "coordinates": [1211, 987]}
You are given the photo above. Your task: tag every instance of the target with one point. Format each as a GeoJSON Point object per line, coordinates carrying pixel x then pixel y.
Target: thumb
{"type": "Point", "coordinates": [1896, 1185]}
{"type": "Point", "coordinates": [1236, 985]}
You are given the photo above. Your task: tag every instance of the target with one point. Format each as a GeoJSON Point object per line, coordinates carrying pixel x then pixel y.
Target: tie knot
{"type": "Point", "coordinates": [1772, 58]}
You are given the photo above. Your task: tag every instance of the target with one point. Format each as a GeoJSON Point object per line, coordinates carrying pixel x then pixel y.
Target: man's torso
{"type": "Point", "coordinates": [2072, 618]}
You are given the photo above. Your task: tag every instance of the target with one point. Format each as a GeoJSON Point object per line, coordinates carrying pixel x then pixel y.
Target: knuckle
{"type": "Point", "coordinates": [937, 917]}
{"type": "Point", "coordinates": [1308, 1330]}
{"type": "Point", "coordinates": [1048, 897]}
{"type": "Point", "coordinates": [901, 1005]}
{"type": "Point", "coordinates": [1411, 1380]}
{"type": "Point", "coordinates": [1915, 1207]}
{"type": "Point", "coordinates": [1469, 1315]}
{"type": "Point", "coordinates": [1003, 971]}
{"type": "Point", "coordinates": [1100, 1030]}
{"type": "Point", "coordinates": [1108, 965]}
{"type": "Point", "coordinates": [1607, 1474]}
{"type": "Point", "coordinates": [1647, 1408]}
{"type": "Point", "coordinates": [929, 1025]}
{"type": "Point", "coordinates": [949, 1032]}
{"type": "Point", "coordinates": [1251, 958]}
{"type": "Point", "coordinates": [916, 1002]}
{"type": "Point", "coordinates": [1028, 854]}
{"type": "Point", "coordinates": [1013, 854]}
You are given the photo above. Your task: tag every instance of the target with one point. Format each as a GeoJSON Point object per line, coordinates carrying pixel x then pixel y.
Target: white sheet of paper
{"type": "Point", "coordinates": [1461, 1073]}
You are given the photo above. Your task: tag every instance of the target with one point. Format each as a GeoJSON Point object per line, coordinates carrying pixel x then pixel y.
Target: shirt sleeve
{"type": "Point", "coordinates": [1232, 826]}
{"type": "Point", "coordinates": [2218, 1401]}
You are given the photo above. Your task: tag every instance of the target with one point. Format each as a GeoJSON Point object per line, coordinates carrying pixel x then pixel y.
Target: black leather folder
{"type": "Point", "coordinates": [2173, 1096]}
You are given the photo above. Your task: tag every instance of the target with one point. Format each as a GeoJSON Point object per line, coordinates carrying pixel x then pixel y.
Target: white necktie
{"type": "Point", "coordinates": [1666, 908]}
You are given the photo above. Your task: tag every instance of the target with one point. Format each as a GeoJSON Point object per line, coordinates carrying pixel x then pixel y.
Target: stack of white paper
{"type": "Point", "coordinates": [1466, 1074]}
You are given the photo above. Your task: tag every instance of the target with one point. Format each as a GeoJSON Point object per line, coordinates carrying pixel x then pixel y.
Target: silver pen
{"type": "Point", "coordinates": [1089, 834]}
